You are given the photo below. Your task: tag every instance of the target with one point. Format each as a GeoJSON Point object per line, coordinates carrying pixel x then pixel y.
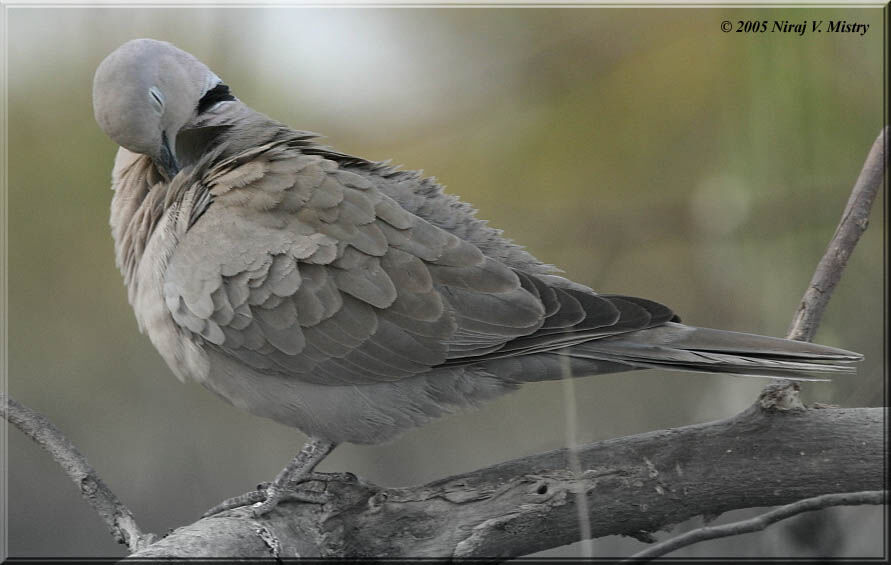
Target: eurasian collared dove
{"type": "Point", "coordinates": [343, 297]}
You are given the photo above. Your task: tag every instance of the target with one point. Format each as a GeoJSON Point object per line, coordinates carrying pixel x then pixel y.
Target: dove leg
{"type": "Point", "coordinates": [284, 486]}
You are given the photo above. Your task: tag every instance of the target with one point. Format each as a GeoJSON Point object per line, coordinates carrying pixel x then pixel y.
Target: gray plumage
{"type": "Point", "coordinates": [341, 296]}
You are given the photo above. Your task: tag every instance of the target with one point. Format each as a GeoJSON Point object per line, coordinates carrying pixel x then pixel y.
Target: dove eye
{"type": "Point", "coordinates": [157, 99]}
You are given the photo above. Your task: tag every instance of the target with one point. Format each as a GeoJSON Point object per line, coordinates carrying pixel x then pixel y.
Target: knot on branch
{"type": "Point", "coordinates": [781, 397]}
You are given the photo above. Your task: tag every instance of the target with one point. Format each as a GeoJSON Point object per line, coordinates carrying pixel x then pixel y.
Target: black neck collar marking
{"type": "Point", "coordinates": [219, 93]}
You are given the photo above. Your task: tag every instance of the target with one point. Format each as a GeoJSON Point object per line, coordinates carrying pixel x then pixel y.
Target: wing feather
{"type": "Point", "coordinates": [302, 268]}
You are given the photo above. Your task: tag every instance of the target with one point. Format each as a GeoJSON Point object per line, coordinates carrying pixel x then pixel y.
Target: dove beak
{"type": "Point", "coordinates": [166, 160]}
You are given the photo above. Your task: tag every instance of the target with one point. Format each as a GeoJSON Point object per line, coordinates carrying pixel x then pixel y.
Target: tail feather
{"type": "Point", "coordinates": [606, 333]}
{"type": "Point", "coordinates": [681, 347]}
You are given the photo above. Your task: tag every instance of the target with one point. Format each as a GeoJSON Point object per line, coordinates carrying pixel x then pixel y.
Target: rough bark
{"type": "Point", "coordinates": [776, 452]}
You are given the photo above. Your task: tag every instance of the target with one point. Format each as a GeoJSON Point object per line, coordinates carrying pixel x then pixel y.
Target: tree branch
{"type": "Point", "coordinates": [758, 523]}
{"type": "Point", "coordinates": [773, 453]}
{"type": "Point", "coordinates": [853, 223]}
{"type": "Point", "coordinates": [116, 516]}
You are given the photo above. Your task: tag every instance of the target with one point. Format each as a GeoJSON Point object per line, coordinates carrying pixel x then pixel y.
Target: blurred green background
{"type": "Point", "coordinates": [643, 151]}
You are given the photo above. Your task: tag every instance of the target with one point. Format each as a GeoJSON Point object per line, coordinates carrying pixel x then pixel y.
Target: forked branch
{"type": "Point", "coordinates": [851, 226]}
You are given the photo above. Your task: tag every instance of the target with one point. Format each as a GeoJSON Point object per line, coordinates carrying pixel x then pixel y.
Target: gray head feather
{"type": "Point", "coordinates": [145, 92]}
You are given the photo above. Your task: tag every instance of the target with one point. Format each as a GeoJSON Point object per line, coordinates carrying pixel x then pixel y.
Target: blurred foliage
{"type": "Point", "coordinates": [644, 152]}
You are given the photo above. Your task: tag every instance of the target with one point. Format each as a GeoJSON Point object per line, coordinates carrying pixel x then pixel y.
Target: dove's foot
{"type": "Point", "coordinates": [285, 486]}
{"type": "Point", "coordinates": [266, 497]}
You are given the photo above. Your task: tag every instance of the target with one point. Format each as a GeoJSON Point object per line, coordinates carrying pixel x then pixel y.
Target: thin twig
{"type": "Point", "coordinates": [117, 517]}
{"type": "Point", "coordinates": [758, 523]}
{"type": "Point", "coordinates": [851, 226]}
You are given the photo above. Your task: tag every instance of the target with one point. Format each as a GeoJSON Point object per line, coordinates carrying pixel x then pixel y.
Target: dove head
{"type": "Point", "coordinates": [146, 91]}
